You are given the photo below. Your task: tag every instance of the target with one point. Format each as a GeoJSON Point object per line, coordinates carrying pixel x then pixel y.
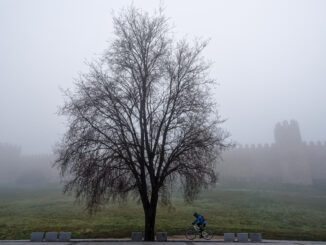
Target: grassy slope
{"type": "Point", "coordinates": [291, 213]}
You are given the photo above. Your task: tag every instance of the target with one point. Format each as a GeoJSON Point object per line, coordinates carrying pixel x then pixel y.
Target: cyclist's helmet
{"type": "Point", "coordinates": [195, 214]}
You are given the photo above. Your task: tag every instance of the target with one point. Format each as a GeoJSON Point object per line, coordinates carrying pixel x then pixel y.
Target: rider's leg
{"type": "Point", "coordinates": [201, 230]}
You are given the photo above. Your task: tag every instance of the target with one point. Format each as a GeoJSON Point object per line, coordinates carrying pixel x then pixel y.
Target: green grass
{"type": "Point", "coordinates": [279, 212]}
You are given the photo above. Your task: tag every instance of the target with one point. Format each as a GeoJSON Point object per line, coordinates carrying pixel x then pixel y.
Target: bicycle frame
{"type": "Point", "coordinates": [196, 228]}
{"type": "Point", "coordinates": [206, 234]}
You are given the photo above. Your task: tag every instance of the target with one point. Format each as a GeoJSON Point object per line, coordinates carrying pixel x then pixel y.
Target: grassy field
{"type": "Point", "coordinates": [279, 212]}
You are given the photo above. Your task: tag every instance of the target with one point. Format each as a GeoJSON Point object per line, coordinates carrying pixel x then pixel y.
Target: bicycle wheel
{"type": "Point", "coordinates": [207, 234]}
{"type": "Point", "coordinates": [191, 234]}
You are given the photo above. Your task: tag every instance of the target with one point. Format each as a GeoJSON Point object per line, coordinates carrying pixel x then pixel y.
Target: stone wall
{"type": "Point", "coordinates": [288, 160]}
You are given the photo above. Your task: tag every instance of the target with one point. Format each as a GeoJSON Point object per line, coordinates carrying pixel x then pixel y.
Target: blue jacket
{"type": "Point", "coordinates": [200, 220]}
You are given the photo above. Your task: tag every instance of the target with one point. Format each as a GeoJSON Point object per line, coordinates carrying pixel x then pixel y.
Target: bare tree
{"type": "Point", "coordinates": [141, 118]}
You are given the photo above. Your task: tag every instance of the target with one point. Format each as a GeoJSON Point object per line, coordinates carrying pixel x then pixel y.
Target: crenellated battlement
{"type": "Point", "coordinates": [8, 149]}
{"type": "Point", "coordinates": [285, 133]}
{"type": "Point", "coordinates": [287, 160]}
{"type": "Point", "coordinates": [310, 144]}
{"type": "Point", "coordinates": [316, 144]}
{"type": "Point", "coordinates": [253, 146]}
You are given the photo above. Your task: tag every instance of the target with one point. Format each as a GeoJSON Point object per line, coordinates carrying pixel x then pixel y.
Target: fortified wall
{"type": "Point", "coordinates": [289, 160]}
{"type": "Point", "coordinates": [16, 168]}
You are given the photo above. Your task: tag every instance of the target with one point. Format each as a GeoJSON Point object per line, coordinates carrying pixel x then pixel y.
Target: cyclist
{"type": "Point", "coordinates": [200, 221]}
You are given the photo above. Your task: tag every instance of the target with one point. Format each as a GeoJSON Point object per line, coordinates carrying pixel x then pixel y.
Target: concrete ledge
{"type": "Point", "coordinates": [64, 236]}
{"type": "Point", "coordinates": [51, 236]}
{"type": "Point", "coordinates": [161, 236]}
{"type": "Point", "coordinates": [255, 237]}
{"type": "Point", "coordinates": [37, 236]}
{"type": "Point", "coordinates": [176, 241]}
{"type": "Point", "coordinates": [136, 236]}
{"type": "Point", "coordinates": [229, 237]}
{"type": "Point", "coordinates": [242, 237]}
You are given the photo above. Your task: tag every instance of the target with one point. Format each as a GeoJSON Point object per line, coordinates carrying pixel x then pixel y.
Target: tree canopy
{"type": "Point", "coordinates": [142, 117]}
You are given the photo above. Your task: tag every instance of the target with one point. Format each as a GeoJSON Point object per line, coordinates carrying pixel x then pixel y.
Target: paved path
{"type": "Point", "coordinates": [169, 242]}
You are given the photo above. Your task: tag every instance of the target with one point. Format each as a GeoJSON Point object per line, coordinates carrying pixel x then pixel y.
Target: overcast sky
{"type": "Point", "coordinates": [269, 59]}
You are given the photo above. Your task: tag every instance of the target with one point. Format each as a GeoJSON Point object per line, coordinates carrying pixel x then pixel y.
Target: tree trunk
{"type": "Point", "coordinates": [150, 215]}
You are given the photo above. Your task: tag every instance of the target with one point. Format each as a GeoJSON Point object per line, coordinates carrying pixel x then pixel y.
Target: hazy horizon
{"type": "Point", "coordinates": [269, 59]}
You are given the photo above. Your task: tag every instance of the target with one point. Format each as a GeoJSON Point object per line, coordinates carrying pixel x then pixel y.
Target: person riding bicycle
{"type": "Point", "coordinates": [200, 221]}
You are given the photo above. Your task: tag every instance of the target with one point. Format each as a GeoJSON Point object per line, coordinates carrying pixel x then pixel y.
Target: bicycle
{"type": "Point", "coordinates": [195, 230]}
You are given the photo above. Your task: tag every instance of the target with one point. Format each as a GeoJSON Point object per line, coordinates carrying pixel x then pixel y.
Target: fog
{"type": "Point", "coordinates": [269, 60]}
{"type": "Point", "coordinates": [289, 160]}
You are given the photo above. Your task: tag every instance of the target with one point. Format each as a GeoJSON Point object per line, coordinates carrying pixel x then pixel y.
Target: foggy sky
{"type": "Point", "coordinates": [269, 60]}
